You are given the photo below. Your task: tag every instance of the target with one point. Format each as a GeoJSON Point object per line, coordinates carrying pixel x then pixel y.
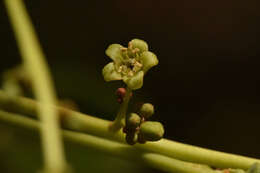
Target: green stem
{"type": "Point", "coordinates": [35, 64]}
{"type": "Point", "coordinates": [113, 148]}
{"type": "Point", "coordinates": [99, 127]}
{"type": "Point", "coordinates": [119, 122]}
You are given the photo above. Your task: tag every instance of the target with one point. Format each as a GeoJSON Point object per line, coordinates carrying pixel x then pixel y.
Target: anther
{"type": "Point", "coordinates": [138, 64]}
{"type": "Point", "coordinates": [130, 45]}
{"type": "Point", "coordinates": [135, 50]}
{"type": "Point", "coordinates": [130, 73]}
{"type": "Point", "coordinates": [123, 49]}
{"type": "Point", "coordinates": [120, 69]}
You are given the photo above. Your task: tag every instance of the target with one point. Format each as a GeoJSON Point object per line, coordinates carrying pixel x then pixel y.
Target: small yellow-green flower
{"type": "Point", "coordinates": [129, 64]}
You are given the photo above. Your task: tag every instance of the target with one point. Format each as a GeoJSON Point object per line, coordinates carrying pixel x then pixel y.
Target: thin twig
{"type": "Point", "coordinates": [85, 123]}
{"type": "Point", "coordinates": [34, 61]}
{"type": "Point", "coordinates": [113, 148]}
{"type": "Point", "coordinates": [118, 123]}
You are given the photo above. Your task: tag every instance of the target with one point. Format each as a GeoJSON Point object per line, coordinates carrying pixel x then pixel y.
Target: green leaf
{"type": "Point", "coordinates": [140, 44]}
{"type": "Point", "coordinates": [136, 81]}
{"type": "Point", "coordinates": [114, 52]}
{"type": "Point", "coordinates": [110, 73]}
{"type": "Point", "coordinates": [149, 60]}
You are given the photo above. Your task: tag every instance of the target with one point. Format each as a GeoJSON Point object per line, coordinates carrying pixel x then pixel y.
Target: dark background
{"type": "Point", "coordinates": [205, 88]}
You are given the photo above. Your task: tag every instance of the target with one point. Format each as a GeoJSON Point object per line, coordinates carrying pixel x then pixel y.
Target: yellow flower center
{"type": "Point", "coordinates": [131, 61]}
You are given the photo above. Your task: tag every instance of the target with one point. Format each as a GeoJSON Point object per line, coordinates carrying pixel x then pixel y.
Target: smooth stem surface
{"type": "Point", "coordinates": [85, 123]}
{"type": "Point", "coordinates": [118, 123]}
{"type": "Point", "coordinates": [35, 64]}
{"type": "Point", "coordinates": [113, 148]}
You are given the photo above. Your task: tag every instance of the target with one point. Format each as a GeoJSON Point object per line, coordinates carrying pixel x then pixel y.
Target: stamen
{"type": "Point", "coordinates": [120, 69]}
{"type": "Point", "coordinates": [135, 50]}
{"type": "Point", "coordinates": [131, 73]}
{"type": "Point", "coordinates": [130, 45]}
{"type": "Point", "coordinates": [138, 64]}
{"type": "Point", "coordinates": [123, 49]}
{"type": "Point", "coordinates": [132, 61]}
{"type": "Point", "coordinates": [124, 68]}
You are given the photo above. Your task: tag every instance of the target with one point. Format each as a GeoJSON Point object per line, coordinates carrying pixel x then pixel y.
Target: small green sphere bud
{"type": "Point", "coordinates": [133, 120]}
{"type": "Point", "coordinates": [255, 168]}
{"type": "Point", "coordinates": [131, 138]}
{"type": "Point", "coordinates": [146, 110]}
{"type": "Point", "coordinates": [151, 131]}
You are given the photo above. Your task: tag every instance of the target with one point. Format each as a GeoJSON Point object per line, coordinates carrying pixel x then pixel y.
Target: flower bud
{"type": "Point", "coordinates": [120, 92]}
{"type": "Point", "coordinates": [133, 121]}
{"type": "Point", "coordinates": [119, 100]}
{"type": "Point", "coordinates": [146, 110]}
{"type": "Point", "coordinates": [255, 168]}
{"type": "Point", "coordinates": [151, 131]}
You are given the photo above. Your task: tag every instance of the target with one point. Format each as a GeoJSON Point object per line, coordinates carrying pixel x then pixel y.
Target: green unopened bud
{"type": "Point", "coordinates": [146, 110]}
{"type": "Point", "coordinates": [255, 168]}
{"type": "Point", "coordinates": [133, 120]}
{"type": "Point", "coordinates": [131, 138]}
{"type": "Point", "coordinates": [151, 131]}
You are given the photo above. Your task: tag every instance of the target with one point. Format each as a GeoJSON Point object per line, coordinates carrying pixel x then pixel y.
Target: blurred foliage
{"type": "Point", "coordinates": [20, 151]}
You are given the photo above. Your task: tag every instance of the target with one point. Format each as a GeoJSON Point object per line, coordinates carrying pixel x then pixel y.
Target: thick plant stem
{"type": "Point", "coordinates": [119, 122]}
{"type": "Point", "coordinates": [113, 148]}
{"type": "Point", "coordinates": [99, 127]}
{"type": "Point", "coordinates": [35, 64]}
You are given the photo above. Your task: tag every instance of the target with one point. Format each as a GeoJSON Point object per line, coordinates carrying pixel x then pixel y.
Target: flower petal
{"type": "Point", "coordinates": [136, 81]}
{"type": "Point", "coordinates": [110, 73]}
{"type": "Point", "coordinates": [114, 52]}
{"type": "Point", "coordinates": [140, 44]}
{"type": "Point", "coordinates": [149, 60]}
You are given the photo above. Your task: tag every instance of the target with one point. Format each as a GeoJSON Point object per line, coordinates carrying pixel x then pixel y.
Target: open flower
{"type": "Point", "coordinates": [129, 64]}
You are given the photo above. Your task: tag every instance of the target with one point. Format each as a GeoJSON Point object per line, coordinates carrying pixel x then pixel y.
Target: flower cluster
{"type": "Point", "coordinates": [129, 64]}
{"type": "Point", "coordinates": [138, 129]}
